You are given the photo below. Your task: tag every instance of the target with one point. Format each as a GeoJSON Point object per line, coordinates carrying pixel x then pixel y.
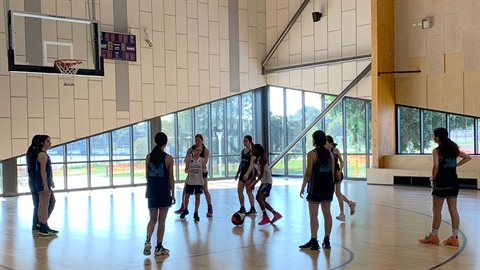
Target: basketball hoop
{"type": "Point", "coordinates": [68, 68]}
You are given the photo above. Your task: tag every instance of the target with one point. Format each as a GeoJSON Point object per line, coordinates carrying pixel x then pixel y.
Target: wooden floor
{"type": "Point", "coordinates": [105, 229]}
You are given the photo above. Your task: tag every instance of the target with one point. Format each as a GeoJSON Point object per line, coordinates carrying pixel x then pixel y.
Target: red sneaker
{"type": "Point", "coordinates": [276, 217]}
{"type": "Point", "coordinates": [265, 220]}
{"type": "Point", "coordinates": [210, 211]}
{"type": "Point", "coordinates": [179, 211]}
{"type": "Point", "coordinates": [450, 241]}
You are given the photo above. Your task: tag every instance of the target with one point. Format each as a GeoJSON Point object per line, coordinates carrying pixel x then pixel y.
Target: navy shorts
{"type": "Point", "coordinates": [160, 203]}
{"type": "Point", "coordinates": [265, 188]}
{"type": "Point", "coordinates": [40, 187]}
{"type": "Point", "coordinates": [319, 198]}
{"type": "Point", "coordinates": [445, 193]}
{"type": "Point", "coordinates": [250, 176]}
{"type": "Point", "coordinates": [194, 189]}
{"type": "Point", "coordinates": [336, 180]}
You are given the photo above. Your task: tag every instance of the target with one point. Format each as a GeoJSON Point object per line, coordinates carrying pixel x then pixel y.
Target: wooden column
{"type": "Point", "coordinates": [383, 91]}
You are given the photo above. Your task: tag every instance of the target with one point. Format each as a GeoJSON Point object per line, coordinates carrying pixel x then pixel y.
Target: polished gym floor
{"type": "Point", "coordinates": [105, 229]}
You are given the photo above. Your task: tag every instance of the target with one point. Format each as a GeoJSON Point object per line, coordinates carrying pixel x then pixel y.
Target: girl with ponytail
{"type": "Point", "coordinates": [445, 185]}
{"type": "Point", "coordinates": [320, 178]}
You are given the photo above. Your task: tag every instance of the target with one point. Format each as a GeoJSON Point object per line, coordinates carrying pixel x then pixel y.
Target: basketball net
{"type": "Point", "coordinates": [68, 68]}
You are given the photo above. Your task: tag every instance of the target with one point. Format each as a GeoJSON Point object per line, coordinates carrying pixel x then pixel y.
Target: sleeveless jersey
{"type": "Point", "coordinates": [158, 182]}
{"type": "Point", "coordinates": [446, 174]}
{"type": "Point", "coordinates": [195, 174]}
{"type": "Point", "coordinates": [48, 170]}
{"type": "Point", "coordinates": [337, 164]}
{"type": "Point", "coordinates": [321, 180]}
{"type": "Point", "coordinates": [267, 174]}
{"type": "Point", "coordinates": [245, 161]}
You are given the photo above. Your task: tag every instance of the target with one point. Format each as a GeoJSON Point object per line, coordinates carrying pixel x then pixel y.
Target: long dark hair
{"type": "Point", "coordinates": [248, 137]}
{"type": "Point", "coordinates": [32, 153]}
{"type": "Point", "coordinates": [446, 147]}
{"type": "Point", "coordinates": [160, 140]}
{"type": "Point", "coordinates": [319, 139]}
{"type": "Point", "coordinates": [330, 140]}
{"type": "Point", "coordinates": [260, 152]}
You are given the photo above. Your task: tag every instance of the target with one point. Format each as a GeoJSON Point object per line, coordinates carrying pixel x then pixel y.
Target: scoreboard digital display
{"type": "Point", "coordinates": [117, 46]}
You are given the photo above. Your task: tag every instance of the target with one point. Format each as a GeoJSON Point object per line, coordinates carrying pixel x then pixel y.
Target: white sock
{"type": "Point", "coordinates": [434, 232]}
{"type": "Point", "coordinates": [455, 233]}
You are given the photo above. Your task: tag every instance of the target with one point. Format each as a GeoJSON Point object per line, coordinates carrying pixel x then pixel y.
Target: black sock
{"type": "Point", "coordinates": [149, 237]}
{"type": "Point", "coordinates": [159, 243]}
{"type": "Point", "coordinates": [264, 212]}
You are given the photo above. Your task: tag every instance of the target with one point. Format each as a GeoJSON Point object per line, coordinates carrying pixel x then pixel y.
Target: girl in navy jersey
{"type": "Point", "coordinates": [331, 146]}
{"type": "Point", "coordinates": [204, 154]}
{"type": "Point", "coordinates": [160, 192]}
{"type": "Point", "coordinates": [44, 184]}
{"type": "Point", "coordinates": [445, 185]}
{"type": "Point", "coordinates": [195, 167]}
{"type": "Point", "coordinates": [245, 170]}
{"type": "Point", "coordinates": [265, 176]}
{"type": "Point", "coordinates": [320, 176]}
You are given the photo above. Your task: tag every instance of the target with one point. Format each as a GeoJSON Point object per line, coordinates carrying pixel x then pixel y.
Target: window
{"type": "Point", "coordinates": [185, 140]}
{"type": "Point", "coordinates": [121, 144]}
{"type": "Point", "coordinates": [334, 122]}
{"type": "Point", "coordinates": [202, 121]}
{"type": "Point", "coordinates": [233, 127]}
{"type": "Point", "coordinates": [462, 132]}
{"type": "Point", "coordinates": [431, 121]}
{"type": "Point", "coordinates": [141, 146]}
{"type": "Point", "coordinates": [1, 178]}
{"type": "Point", "coordinates": [247, 114]}
{"type": "Point", "coordinates": [100, 147]}
{"type": "Point", "coordinates": [409, 131]}
{"type": "Point", "coordinates": [217, 149]}
{"type": "Point", "coordinates": [77, 151]}
{"type": "Point", "coordinates": [355, 126]}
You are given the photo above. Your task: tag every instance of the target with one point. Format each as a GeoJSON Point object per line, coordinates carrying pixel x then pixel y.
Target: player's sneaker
{"type": "Point", "coordinates": [341, 217]}
{"type": "Point", "coordinates": [429, 239]}
{"type": "Point", "coordinates": [210, 211]}
{"type": "Point", "coordinates": [326, 243]}
{"type": "Point", "coordinates": [276, 217]}
{"type": "Point", "coordinates": [451, 241]}
{"type": "Point", "coordinates": [160, 250]}
{"type": "Point", "coordinates": [52, 230]}
{"type": "Point", "coordinates": [242, 210]}
{"type": "Point", "coordinates": [265, 220]}
{"type": "Point", "coordinates": [196, 217]}
{"type": "Point", "coordinates": [146, 248]}
{"type": "Point", "coordinates": [184, 213]}
{"type": "Point", "coordinates": [180, 211]}
{"type": "Point", "coordinates": [352, 207]}
{"type": "Point", "coordinates": [251, 212]}
{"type": "Point", "coordinates": [312, 245]}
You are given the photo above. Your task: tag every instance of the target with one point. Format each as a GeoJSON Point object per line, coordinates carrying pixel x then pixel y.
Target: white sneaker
{"type": "Point", "coordinates": [159, 250]}
{"type": "Point", "coordinates": [146, 248]}
{"type": "Point", "coordinates": [341, 217]}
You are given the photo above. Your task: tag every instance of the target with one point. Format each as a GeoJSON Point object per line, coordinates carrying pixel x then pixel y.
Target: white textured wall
{"type": "Point", "coordinates": [188, 65]}
{"type": "Point", "coordinates": [343, 31]}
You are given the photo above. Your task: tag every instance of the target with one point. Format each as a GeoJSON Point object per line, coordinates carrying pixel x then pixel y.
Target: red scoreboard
{"type": "Point", "coordinates": [117, 46]}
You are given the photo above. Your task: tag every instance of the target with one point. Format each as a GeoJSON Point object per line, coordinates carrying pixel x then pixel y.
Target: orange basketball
{"type": "Point", "coordinates": [237, 219]}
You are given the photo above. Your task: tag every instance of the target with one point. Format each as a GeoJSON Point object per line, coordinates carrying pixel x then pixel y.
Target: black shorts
{"type": "Point", "coordinates": [445, 193]}
{"type": "Point", "coordinates": [205, 174]}
{"type": "Point", "coordinates": [326, 197]}
{"type": "Point", "coordinates": [265, 188]}
{"type": "Point", "coordinates": [40, 187]}
{"type": "Point", "coordinates": [194, 189]}
{"type": "Point", "coordinates": [160, 203]}
{"type": "Point", "coordinates": [250, 176]}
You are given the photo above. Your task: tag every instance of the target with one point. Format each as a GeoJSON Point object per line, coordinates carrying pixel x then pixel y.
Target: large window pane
{"type": "Point", "coordinates": [294, 118]}
{"type": "Point", "coordinates": [218, 130]}
{"type": "Point", "coordinates": [100, 174]}
{"type": "Point", "coordinates": [202, 118]}
{"type": "Point", "coordinates": [219, 168]}
{"type": "Point", "coordinates": [185, 133]}
{"type": "Point", "coordinates": [247, 114]}
{"type": "Point", "coordinates": [313, 108]}
{"type": "Point", "coordinates": [409, 141]}
{"type": "Point", "coordinates": [478, 136]}
{"type": "Point", "coordinates": [58, 171]}
{"type": "Point", "coordinates": [168, 127]}
{"type": "Point", "coordinates": [121, 173]}
{"type": "Point", "coordinates": [121, 143]}
{"type": "Point", "coordinates": [355, 126]}
{"type": "Point", "coordinates": [57, 154]}
{"type": "Point", "coordinates": [279, 168]}
{"type": "Point", "coordinates": [234, 145]}
{"type": "Point", "coordinates": [276, 117]}
{"type": "Point", "coordinates": [462, 132]}
{"type": "Point", "coordinates": [369, 119]}
{"type": "Point", "coordinates": [141, 140]}
{"type": "Point", "coordinates": [100, 147]}
{"type": "Point", "coordinates": [295, 164]}
{"type": "Point", "coordinates": [77, 175]}
{"type": "Point", "coordinates": [334, 122]}
{"type": "Point", "coordinates": [1, 178]}
{"type": "Point", "coordinates": [356, 166]}
{"type": "Point", "coordinates": [22, 179]}
{"type": "Point", "coordinates": [77, 151]}
{"type": "Point", "coordinates": [233, 163]}
{"type": "Point", "coordinates": [139, 170]}
{"type": "Point", "coordinates": [182, 175]}
{"type": "Point", "coordinates": [431, 121]}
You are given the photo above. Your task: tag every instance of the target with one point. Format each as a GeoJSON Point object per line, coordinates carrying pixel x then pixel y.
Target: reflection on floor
{"type": "Point", "coordinates": [105, 229]}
